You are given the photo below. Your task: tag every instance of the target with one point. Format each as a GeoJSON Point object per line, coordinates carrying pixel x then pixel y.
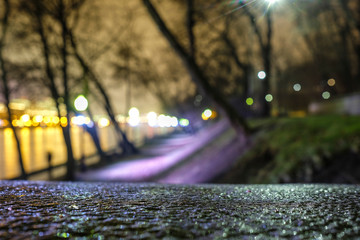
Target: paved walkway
{"type": "Point", "coordinates": [56, 210]}
{"type": "Point", "coordinates": [160, 162]}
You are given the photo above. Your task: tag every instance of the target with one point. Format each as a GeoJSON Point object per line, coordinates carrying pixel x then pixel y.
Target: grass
{"type": "Point", "coordinates": [295, 149]}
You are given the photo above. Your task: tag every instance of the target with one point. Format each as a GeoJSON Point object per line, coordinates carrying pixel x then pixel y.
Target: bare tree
{"type": "Point", "coordinates": [195, 71]}
{"type": "Point", "coordinates": [330, 32]}
{"type": "Point", "coordinates": [57, 12]}
{"type": "Point", "coordinates": [5, 82]}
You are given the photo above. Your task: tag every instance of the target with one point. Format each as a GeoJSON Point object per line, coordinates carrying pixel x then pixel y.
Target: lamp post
{"type": "Point", "coordinates": [81, 104]}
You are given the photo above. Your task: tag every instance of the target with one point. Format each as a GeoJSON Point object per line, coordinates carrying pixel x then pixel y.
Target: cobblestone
{"type": "Point", "coordinates": [78, 210]}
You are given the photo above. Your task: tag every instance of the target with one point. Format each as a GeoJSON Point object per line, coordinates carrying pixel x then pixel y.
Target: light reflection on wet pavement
{"type": "Point", "coordinates": [48, 210]}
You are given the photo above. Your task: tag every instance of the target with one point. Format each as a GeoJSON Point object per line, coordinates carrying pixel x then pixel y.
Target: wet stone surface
{"type": "Point", "coordinates": [58, 210]}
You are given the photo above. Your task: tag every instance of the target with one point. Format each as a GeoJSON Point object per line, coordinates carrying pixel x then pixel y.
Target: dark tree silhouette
{"type": "Point", "coordinates": [196, 73]}
{"type": "Point", "coordinates": [5, 83]}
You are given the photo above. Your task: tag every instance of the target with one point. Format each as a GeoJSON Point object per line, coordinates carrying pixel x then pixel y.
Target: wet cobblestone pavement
{"type": "Point", "coordinates": [58, 210]}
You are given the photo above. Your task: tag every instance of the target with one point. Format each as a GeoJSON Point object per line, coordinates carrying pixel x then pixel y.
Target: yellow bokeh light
{"type": "Point", "coordinates": [28, 123]}
{"type": "Point", "coordinates": [207, 113]}
{"type": "Point", "coordinates": [55, 120]}
{"type": "Point", "coordinates": [331, 82]}
{"type": "Point", "coordinates": [4, 123]}
{"type": "Point", "coordinates": [63, 121]}
{"type": "Point", "coordinates": [25, 118]}
{"type": "Point", "coordinates": [47, 120]}
{"type": "Point", "coordinates": [14, 123]}
{"type": "Point", "coordinates": [37, 119]}
{"type": "Point", "coordinates": [103, 122]}
{"type": "Point", "coordinates": [204, 117]}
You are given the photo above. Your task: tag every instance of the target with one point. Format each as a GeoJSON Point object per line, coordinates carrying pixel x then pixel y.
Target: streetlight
{"type": "Point", "coordinates": [271, 2]}
{"type": "Point", "coordinates": [81, 103]}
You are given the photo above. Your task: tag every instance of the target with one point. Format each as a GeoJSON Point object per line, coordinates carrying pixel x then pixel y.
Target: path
{"type": "Point", "coordinates": [157, 160]}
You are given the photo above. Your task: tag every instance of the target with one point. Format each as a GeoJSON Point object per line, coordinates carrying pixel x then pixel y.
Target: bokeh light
{"type": "Point", "coordinates": [134, 117]}
{"type": "Point", "coordinates": [174, 122]}
{"type": "Point", "coordinates": [184, 122]}
{"type": "Point", "coordinates": [37, 119]}
{"type": "Point", "coordinates": [297, 87]}
{"type": "Point", "coordinates": [326, 95]}
{"type": "Point", "coordinates": [25, 118]}
{"type": "Point", "coordinates": [78, 120]}
{"type": "Point", "coordinates": [269, 97]}
{"type": "Point", "coordinates": [164, 121]}
{"type": "Point", "coordinates": [81, 103]}
{"type": "Point", "coordinates": [103, 122]}
{"type": "Point", "coordinates": [249, 101]}
{"type": "Point", "coordinates": [331, 82]}
{"type": "Point", "coordinates": [206, 114]}
{"type": "Point", "coordinates": [261, 75]}
{"type": "Point", "coordinates": [134, 112]}
{"type": "Point", "coordinates": [63, 121]}
{"type": "Point", "coordinates": [152, 119]}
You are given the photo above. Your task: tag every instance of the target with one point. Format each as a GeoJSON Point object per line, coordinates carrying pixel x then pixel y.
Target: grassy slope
{"type": "Point", "coordinates": [301, 150]}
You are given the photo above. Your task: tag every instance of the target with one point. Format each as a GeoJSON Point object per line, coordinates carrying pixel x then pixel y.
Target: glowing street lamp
{"type": "Point", "coordinates": [81, 103]}
{"type": "Point", "coordinates": [271, 2]}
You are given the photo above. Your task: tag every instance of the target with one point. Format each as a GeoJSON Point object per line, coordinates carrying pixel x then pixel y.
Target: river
{"type": "Point", "coordinates": [37, 142]}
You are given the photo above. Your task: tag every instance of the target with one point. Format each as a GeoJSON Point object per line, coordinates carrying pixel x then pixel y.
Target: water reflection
{"type": "Point", "coordinates": [36, 142]}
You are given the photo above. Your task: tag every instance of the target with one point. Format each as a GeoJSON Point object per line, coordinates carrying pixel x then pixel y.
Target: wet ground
{"type": "Point", "coordinates": [57, 210]}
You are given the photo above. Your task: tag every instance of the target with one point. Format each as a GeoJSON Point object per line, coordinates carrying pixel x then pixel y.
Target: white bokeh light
{"type": "Point", "coordinates": [152, 119]}
{"type": "Point", "coordinates": [81, 103]}
{"type": "Point", "coordinates": [261, 75]}
{"type": "Point", "coordinates": [297, 87]}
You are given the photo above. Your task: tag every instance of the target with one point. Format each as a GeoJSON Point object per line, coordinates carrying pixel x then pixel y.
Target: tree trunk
{"type": "Point", "coordinates": [55, 95]}
{"type": "Point", "coordinates": [66, 130]}
{"type": "Point", "coordinates": [6, 89]}
{"type": "Point", "coordinates": [266, 47]}
{"type": "Point", "coordinates": [197, 75]}
{"type": "Point", "coordinates": [95, 136]}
